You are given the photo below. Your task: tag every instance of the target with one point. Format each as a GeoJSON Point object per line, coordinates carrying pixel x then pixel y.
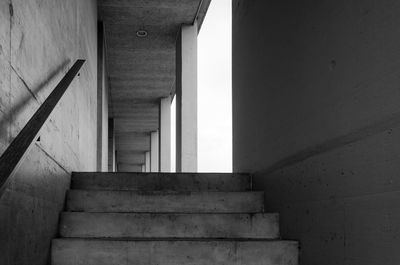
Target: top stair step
{"type": "Point", "coordinates": [161, 181]}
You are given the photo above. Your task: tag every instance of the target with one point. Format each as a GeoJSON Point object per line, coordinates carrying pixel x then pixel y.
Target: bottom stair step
{"type": "Point", "coordinates": [209, 252]}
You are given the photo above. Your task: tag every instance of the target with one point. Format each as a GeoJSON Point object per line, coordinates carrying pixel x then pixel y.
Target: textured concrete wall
{"type": "Point", "coordinates": [316, 115]}
{"type": "Point", "coordinates": [102, 101]}
{"type": "Point", "coordinates": [39, 41]}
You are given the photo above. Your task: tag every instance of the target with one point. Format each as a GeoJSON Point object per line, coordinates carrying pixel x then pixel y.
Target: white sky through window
{"type": "Point", "coordinates": [215, 89]}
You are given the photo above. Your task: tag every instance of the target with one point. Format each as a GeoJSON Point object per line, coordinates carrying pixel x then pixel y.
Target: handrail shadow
{"type": "Point", "coordinates": [12, 157]}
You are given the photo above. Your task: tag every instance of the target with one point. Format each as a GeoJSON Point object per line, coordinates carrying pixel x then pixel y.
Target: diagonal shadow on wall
{"type": "Point", "coordinates": [17, 108]}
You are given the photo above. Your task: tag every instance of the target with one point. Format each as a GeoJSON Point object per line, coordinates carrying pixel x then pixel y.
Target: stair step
{"type": "Point", "coordinates": [106, 252]}
{"type": "Point", "coordinates": [161, 181]}
{"type": "Point", "coordinates": [178, 202]}
{"type": "Point", "coordinates": [129, 225]}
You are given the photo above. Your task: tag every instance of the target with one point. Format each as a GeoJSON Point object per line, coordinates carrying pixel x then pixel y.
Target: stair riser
{"type": "Point", "coordinates": [201, 202]}
{"type": "Point", "coordinates": [161, 181]}
{"type": "Point", "coordinates": [105, 225]}
{"type": "Point", "coordinates": [72, 252]}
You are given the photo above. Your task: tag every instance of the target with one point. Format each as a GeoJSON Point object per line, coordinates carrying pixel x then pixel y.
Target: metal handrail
{"type": "Point", "coordinates": [12, 157]}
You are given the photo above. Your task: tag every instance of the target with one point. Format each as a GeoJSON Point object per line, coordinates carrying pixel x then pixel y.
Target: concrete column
{"type": "Point", "coordinates": [147, 161]}
{"type": "Point", "coordinates": [186, 99]}
{"type": "Point", "coordinates": [165, 135]}
{"type": "Point", "coordinates": [154, 152]}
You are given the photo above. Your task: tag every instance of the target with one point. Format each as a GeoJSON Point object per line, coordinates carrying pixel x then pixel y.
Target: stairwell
{"type": "Point", "coordinates": [169, 219]}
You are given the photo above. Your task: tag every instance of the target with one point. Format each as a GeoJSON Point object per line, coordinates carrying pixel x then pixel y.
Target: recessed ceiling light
{"type": "Point", "coordinates": [141, 33]}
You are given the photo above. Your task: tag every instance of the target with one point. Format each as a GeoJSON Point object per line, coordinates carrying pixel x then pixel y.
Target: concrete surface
{"type": "Point", "coordinates": [102, 101]}
{"type": "Point", "coordinates": [97, 252]}
{"type": "Point", "coordinates": [175, 202]}
{"type": "Point", "coordinates": [147, 162]}
{"type": "Point", "coordinates": [131, 157]}
{"type": "Point", "coordinates": [316, 119]}
{"type": "Point", "coordinates": [39, 41]}
{"type": "Point", "coordinates": [111, 146]}
{"type": "Point", "coordinates": [132, 142]}
{"type": "Point", "coordinates": [174, 227]}
{"type": "Point", "coordinates": [154, 151]}
{"type": "Point", "coordinates": [161, 181]}
{"type": "Point", "coordinates": [165, 134]}
{"type": "Point", "coordinates": [29, 210]}
{"type": "Point", "coordinates": [169, 225]}
{"type": "Point", "coordinates": [129, 168]}
{"type": "Point", "coordinates": [186, 99]}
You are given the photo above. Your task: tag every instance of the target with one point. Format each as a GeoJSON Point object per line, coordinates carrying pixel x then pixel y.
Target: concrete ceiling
{"type": "Point", "coordinates": [142, 70]}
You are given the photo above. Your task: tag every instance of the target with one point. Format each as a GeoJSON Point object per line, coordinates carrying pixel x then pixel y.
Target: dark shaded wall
{"type": "Point", "coordinates": [39, 42]}
{"type": "Point", "coordinates": [316, 115]}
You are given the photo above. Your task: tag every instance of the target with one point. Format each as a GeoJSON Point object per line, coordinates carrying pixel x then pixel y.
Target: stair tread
{"type": "Point", "coordinates": [172, 225]}
{"type": "Point", "coordinates": [145, 240]}
{"type": "Point", "coordinates": [204, 252]}
{"type": "Point", "coordinates": [161, 181]}
{"type": "Point", "coordinates": [162, 201]}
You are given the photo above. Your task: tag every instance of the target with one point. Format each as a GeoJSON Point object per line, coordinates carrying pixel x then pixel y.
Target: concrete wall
{"type": "Point", "coordinates": [102, 101]}
{"type": "Point", "coordinates": [39, 41]}
{"type": "Point", "coordinates": [316, 115]}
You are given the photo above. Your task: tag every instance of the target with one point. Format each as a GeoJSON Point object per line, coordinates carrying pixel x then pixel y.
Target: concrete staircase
{"type": "Point", "coordinates": [168, 219]}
